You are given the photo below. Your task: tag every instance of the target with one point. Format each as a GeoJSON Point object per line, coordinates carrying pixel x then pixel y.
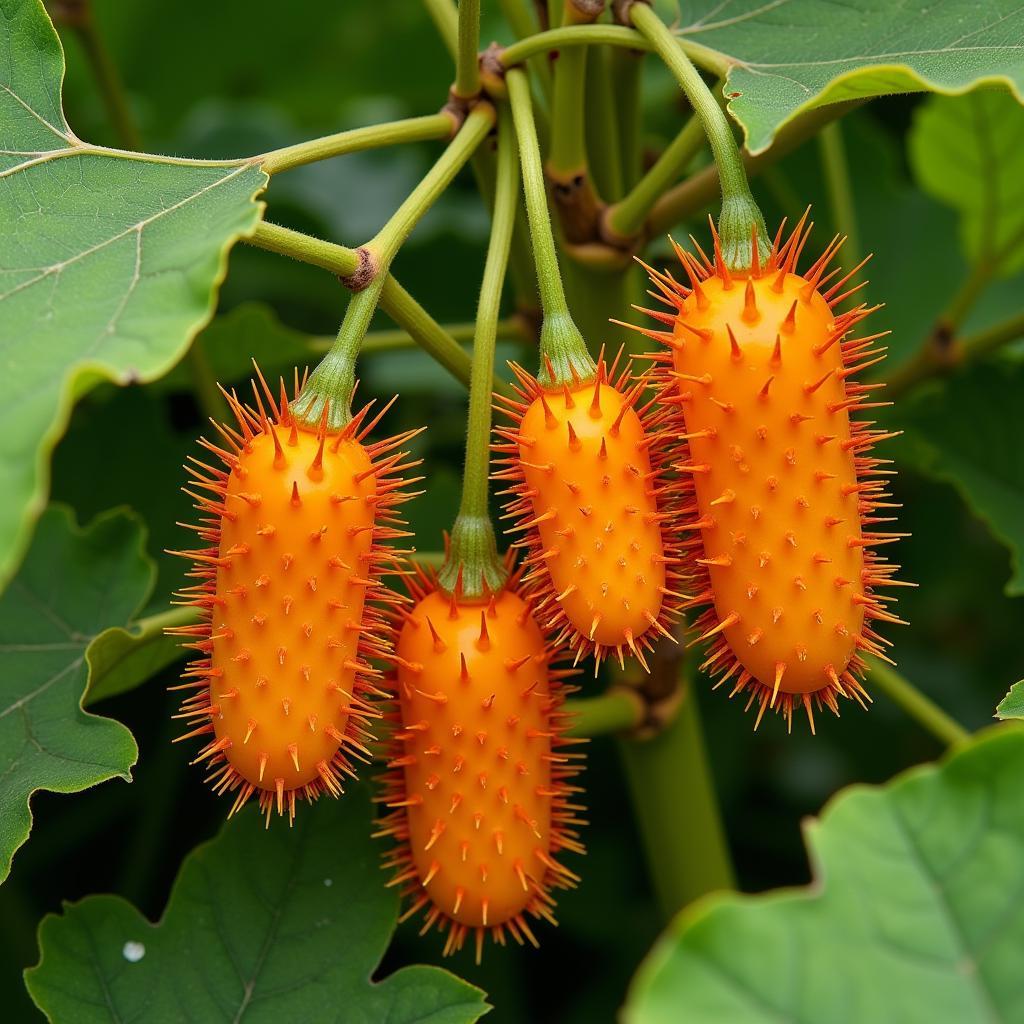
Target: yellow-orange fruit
{"type": "Point", "coordinates": [775, 476]}
{"type": "Point", "coordinates": [293, 527]}
{"type": "Point", "coordinates": [477, 778]}
{"type": "Point", "coordinates": [585, 495]}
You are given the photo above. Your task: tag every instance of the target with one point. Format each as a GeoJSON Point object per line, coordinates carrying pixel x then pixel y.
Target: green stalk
{"type": "Point", "coordinates": [473, 558]}
{"type": "Point", "coordinates": [567, 155]}
{"type": "Point", "coordinates": [395, 300]}
{"type": "Point", "coordinates": [467, 71]}
{"type": "Point", "coordinates": [375, 136]}
{"type": "Point", "coordinates": [626, 218]}
{"type": "Point", "coordinates": [921, 708]}
{"type": "Point", "coordinates": [840, 190]}
{"type": "Point", "coordinates": [740, 215]}
{"type": "Point", "coordinates": [676, 809]}
{"type": "Point", "coordinates": [625, 72]}
{"type": "Point", "coordinates": [604, 146]}
{"type": "Point", "coordinates": [560, 339]}
{"type": "Point", "coordinates": [619, 709]}
{"type": "Point", "coordinates": [446, 21]}
{"type": "Point", "coordinates": [522, 19]}
{"type": "Point", "coordinates": [328, 392]}
{"type": "Point", "coordinates": [686, 198]}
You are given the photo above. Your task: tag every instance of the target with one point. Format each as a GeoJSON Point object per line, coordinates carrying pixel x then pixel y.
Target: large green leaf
{"type": "Point", "coordinates": [261, 926]}
{"type": "Point", "coordinates": [109, 265]}
{"type": "Point", "coordinates": [915, 916]}
{"type": "Point", "coordinates": [968, 152]}
{"type": "Point", "coordinates": [966, 431]}
{"type": "Point", "coordinates": [789, 56]}
{"type": "Point", "coordinates": [72, 585]}
{"type": "Point", "coordinates": [1012, 705]}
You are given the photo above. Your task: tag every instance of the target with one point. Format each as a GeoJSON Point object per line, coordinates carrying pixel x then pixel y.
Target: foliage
{"type": "Point", "coordinates": [118, 313]}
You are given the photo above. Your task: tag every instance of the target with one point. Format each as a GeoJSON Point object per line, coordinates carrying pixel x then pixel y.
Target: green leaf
{"type": "Point", "coordinates": [110, 262]}
{"type": "Point", "coordinates": [963, 431]}
{"type": "Point", "coordinates": [790, 56]}
{"type": "Point", "coordinates": [73, 584]}
{"type": "Point", "coordinates": [278, 925]}
{"type": "Point", "coordinates": [1012, 705]}
{"type": "Point", "coordinates": [968, 152]}
{"type": "Point", "coordinates": [914, 916]}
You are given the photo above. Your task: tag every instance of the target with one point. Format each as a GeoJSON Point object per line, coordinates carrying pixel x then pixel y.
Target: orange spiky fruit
{"type": "Point", "coordinates": [477, 781]}
{"type": "Point", "coordinates": [777, 479]}
{"type": "Point", "coordinates": [585, 493]}
{"type": "Point", "coordinates": [291, 597]}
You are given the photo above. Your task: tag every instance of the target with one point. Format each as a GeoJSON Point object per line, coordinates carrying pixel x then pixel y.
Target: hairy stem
{"type": "Point", "coordinates": [375, 136]}
{"type": "Point", "coordinates": [677, 811]}
{"type": "Point", "coordinates": [921, 708]}
{"type": "Point", "coordinates": [740, 215]}
{"type": "Point", "coordinates": [467, 71]}
{"type": "Point", "coordinates": [473, 553]}
{"type": "Point", "coordinates": [561, 342]}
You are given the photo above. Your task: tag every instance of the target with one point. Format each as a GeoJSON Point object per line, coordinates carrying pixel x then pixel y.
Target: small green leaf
{"type": "Point", "coordinates": [110, 262]}
{"type": "Point", "coordinates": [915, 915]}
{"type": "Point", "coordinates": [262, 925]}
{"type": "Point", "coordinates": [964, 431]}
{"type": "Point", "coordinates": [786, 57]}
{"type": "Point", "coordinates": [968, 152]}
{"type": "Point", "coordinates": [72, 585]}
{"type": "Point", "coordinates": [1012, 705]}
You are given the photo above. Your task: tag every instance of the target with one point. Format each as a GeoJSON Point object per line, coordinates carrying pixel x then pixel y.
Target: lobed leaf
{"type": "Point", "coordinates": [968, 152]}
{"type": "Point", "coordinates": [261, 926]}
{"type": "Point", "coordinates": [789, 56]}
{"type": "Point", "coordinates": [73, 584]}
{"type": "Point", "coordinates": [915, 915]}
{"type": "Point", "coordinates": [109, 262]}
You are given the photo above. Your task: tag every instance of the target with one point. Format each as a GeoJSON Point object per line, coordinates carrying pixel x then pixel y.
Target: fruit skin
{"type": "Point", "coordinates": [585, 475]}
{"type": "Point", "coordinates": [293, 527]}
{"type": "Point", "coordinates": [477, 775]}
{"type": "Point", "coordinates": [775, 476]}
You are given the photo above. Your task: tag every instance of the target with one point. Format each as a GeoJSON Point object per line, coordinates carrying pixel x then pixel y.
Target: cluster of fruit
{"type": "Point", "coordinates": [728, 476]}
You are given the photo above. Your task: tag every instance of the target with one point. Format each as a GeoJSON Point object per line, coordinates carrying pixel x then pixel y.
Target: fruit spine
{"type": "Point", "coordinates": [291, 599]}
{"type": "Point", "coordinates": [774, 479]}
{"type": "Point", "coordinates": [586, 496]}
{"type": "Point", "coordinates": [478, 775]}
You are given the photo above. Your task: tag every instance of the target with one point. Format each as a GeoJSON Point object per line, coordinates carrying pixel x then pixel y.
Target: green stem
{"type": "Point", "coordinates": [473, 552]}
{"type": "Point", "coordinates": [107, 80]}
{"type": "Point", "coordinates": [690, 196]}
{"type": "Point", "coordinates": [740, 215]}
{"type": "Point", "coordinates": [383, 246]}
{"type": "Point", "coordinates": [921, 708]}
{"type": "Point", "coordinates": [560, 339]}
{"type": "Point", "coordinates": [522, 19]}
{"type": "Point", "coordinates": [604, 147]}
{"type": "Point", "coordinates": [328, 392]}
{"type": "Point", "coordinates": [567, 156]}
{"type": "Point", "coordinates": [509, 329]}
{"type": "Point", "coordinates": [677, 811]}
{"type": "Point", "coordinates": [967, 295]}
{"type": "Point", "coordinates": [606, 35]}
{"type": "Point", "coordinates": [619, 709]}
{"type": "Point", "coordinates": [207, 395]}
{"type": "Point", "coordinates": [625, 75]}
{"type": "Point", "coordinates": [467, 70]}
{"type": "Point", "coordinates": [395, 300]}
{"type": "Point", "coordinates": [982, 343]}
{"type": "Point", "coordinates": [446, 21]}
{"type": "Point", "coordinates": [626, 218]}
{"type": "Point", "coordinates": [840, 190]}
{"type": "Point", "coordinates": [375, 136]}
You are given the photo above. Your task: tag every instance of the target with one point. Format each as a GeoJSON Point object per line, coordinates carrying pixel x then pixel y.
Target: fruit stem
{"type": "Point", "coordinates": [921, 708]}
{"type": "Point", "coordinates": [619, 709]}
{"type": "Point", "coordinates": [473, 556]}
{"type": "Point", "coordinates": [626, 218]}
{"type": "Point", "coordinates": [375, 136]}
{"type": "Point", "coordinates": [740, 214]}
{"type": "Point", "coordinates": [560, 340]}
{"type": "Point", "coordinates": [677, 810]}
{"type": "Point", "coordinates": [467, 70]}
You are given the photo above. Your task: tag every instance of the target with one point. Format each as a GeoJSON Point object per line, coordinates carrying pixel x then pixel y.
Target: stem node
{"type": "Point", "coordinates": [365, 271]}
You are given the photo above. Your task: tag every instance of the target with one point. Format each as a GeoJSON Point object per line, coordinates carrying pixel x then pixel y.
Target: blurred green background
{"type": "Point", "coordinates": [230, 79]}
